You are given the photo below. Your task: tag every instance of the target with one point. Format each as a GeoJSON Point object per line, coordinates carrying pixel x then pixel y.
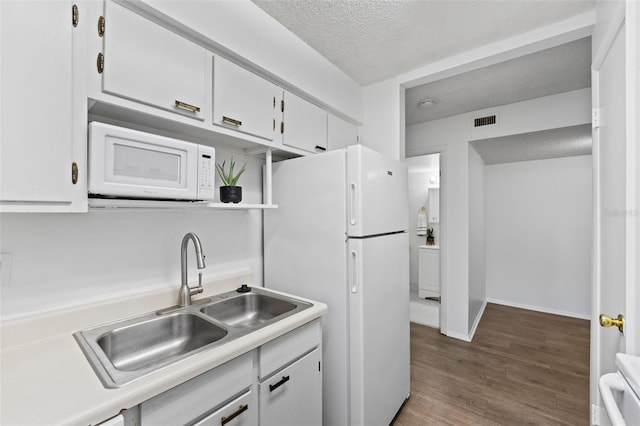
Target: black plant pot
{"type": "Point", "coordinates": [231, 194]}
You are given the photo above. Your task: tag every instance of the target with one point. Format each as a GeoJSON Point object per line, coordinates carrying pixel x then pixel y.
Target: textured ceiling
{"type": "Point", "coordinates": [554, 143]}
{"type": "Point", "coordinates": [560, 69]}
{"type": "Point", "coordinates": [372, 40]}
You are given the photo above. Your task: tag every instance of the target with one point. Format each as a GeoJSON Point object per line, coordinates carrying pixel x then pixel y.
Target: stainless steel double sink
{"type": "Point", "coordinates": [127, 350]}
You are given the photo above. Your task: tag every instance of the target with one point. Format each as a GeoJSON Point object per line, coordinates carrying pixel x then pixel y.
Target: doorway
{"type": "Point", "coordinates": [425, 238]}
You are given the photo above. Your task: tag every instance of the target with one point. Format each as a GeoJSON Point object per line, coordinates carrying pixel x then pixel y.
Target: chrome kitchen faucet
{"type": "Point", "coordinates": [185, 293]}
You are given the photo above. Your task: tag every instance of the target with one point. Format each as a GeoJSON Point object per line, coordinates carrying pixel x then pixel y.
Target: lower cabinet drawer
{"type": "Point", "coordinates": [286, 348]}
{"type": "Point", "coordinates": [198, 396]}
{"type": "Point", "coordinates": [293, 395]}
{"type": "Point", "coordinates": [239, 412]}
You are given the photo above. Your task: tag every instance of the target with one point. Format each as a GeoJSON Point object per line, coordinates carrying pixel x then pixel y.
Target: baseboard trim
{"type": "Point", "coordinates": [477, 320]}
{"type": "Point", "coordinates": [538, 309]}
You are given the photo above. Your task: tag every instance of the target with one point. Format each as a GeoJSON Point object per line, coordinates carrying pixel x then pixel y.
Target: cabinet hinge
{"type": "Point", "coordinates": [282, 105]}
{"type": "Point", "coordinates": [282, 127]}
{"type": "Point", "coordinates": [100, 63]}
{"type": "Point", "coordinates": [74, 173]}
{"type": "Point", "coordinates": [595, 118]}
{"type": "Point", "coordinates": [75, 15]}
{"type": "Point", "coordinates": [318, 365]}
{"type": "Point", "coordinates": [101, 26]}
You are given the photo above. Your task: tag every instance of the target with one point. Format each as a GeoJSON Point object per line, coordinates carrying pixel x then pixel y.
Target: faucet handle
{"type": "Point", "coordinates": [199, 289]}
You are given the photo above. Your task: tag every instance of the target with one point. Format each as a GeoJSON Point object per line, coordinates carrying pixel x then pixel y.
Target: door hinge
{"type": "Point", "coordinates": [100, 63]}
{"type": "Point", "coordinates": [318, 365]}
{"type": "Point", "coordinates": [75, 15]}
{"type": "Point", "coordinates": [74, 173]}
{"type": "Point", "coordinates": [595, 118]}
{"type": "Point", "coordinates": [101, 26]}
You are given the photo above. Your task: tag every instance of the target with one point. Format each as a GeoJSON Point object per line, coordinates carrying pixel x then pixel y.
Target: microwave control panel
{"type": "Point", "coordinates": [206, 172]}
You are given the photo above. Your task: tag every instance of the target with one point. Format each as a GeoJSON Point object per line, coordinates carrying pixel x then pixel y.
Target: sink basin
{"type": "Point", "coordinates": [151, 342]}
{"type": "Point", "coordinates": [128, 350]}
{"type": "Point", "coordinates": [248, 309]}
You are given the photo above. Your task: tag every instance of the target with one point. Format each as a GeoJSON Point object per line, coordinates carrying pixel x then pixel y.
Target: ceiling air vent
{"type": "Point", "coordinates": [484, 121]}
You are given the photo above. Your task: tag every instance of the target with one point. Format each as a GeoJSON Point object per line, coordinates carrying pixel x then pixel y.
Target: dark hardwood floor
{"type": "Point", "coordinates": [523, 367]}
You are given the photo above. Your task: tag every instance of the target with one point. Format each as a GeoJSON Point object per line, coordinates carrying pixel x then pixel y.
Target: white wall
{"type": "Point", "coordinates": [421, 170]}
{"type": "Point", "coordinates": [477, 283]}
{"type": "Point", "coordinates": [564, 109]}
{"type": "Point", "coordinates": [62, 259]}
{"type": "Point", "coordinates": [538, 234]}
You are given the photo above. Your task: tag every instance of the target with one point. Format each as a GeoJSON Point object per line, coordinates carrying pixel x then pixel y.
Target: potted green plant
{"type": "Point", "coordinates": [229, 191]}
{"type": "Point", "coordinates": [430, 238]}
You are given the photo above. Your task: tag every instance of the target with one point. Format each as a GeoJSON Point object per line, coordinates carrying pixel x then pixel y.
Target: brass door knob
{"type": "Point", "coordinates": [607, 321]}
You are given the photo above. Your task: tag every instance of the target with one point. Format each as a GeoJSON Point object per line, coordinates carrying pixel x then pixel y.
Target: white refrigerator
{"type": "Point", "coordinates": [339, 235]}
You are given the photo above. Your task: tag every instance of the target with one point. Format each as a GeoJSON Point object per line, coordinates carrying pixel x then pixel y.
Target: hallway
{"type": "Point", "coordinates": [523, 367]}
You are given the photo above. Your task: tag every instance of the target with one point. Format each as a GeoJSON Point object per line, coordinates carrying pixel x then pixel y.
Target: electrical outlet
{"type": "Point", "coordinates": [5, 269]}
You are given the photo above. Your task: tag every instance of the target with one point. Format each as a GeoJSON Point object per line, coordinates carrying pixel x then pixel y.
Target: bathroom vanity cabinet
{"type": "Point", "coordinates": [428, 271]}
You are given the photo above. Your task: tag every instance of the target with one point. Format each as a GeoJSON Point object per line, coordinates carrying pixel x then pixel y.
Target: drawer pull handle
{"type": "Point", "coordinates": [186, 106]}
{"type": "Point", "coordinates": [231, 121]}
{"type": "Point", "coordinates": [284, 380]}
{"type": "Point", "coordinates": [320, 148]}
{"type": "Point", "coordinates": [226, 419]}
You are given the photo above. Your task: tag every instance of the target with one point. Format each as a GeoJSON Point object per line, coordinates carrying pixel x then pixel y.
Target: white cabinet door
{"type": "Point", "coordinates": [428, 272]}
{"type": "Point", "coordinates": [243, 100]}
{"type": "Point", "coordinates": [36, 109]}
{"type": "Point", "coordinates": [340, 133]}
{"type": "Point", "coordinates": [147, 63]}
{"type": "Point", "coordinates": [293, 395]}
{"type": "Point", "coordinates": [304, 124]}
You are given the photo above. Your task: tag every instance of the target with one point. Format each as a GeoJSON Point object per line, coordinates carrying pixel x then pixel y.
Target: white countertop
{"type": "Point", "coordinates": [424, 246]}
{"type": "Point", "coordinates": [46, 379]}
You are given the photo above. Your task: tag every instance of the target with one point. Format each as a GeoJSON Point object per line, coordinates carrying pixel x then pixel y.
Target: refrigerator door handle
{"type": "Point", "coordinates": [352, 204]}
{"type": "Point", "coordinates": [354, 271]}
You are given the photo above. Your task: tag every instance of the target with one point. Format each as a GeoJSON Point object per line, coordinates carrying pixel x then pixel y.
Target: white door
{"type": "Point", "coordinates": [36, 103]}
{"type": "Point", "coordinates": [378, 327]}
{"type": "Point", "coordinates": [616, 215]}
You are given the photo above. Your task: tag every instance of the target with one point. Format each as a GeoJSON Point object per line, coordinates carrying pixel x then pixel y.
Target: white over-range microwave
{"type": "Point", "coordinates": [128, 163]}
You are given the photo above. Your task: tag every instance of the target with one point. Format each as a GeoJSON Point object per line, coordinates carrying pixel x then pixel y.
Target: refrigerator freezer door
{"type": "Point", "coordinates": [377, 193]}
{"type": "Point", "coordinates": [379, 327]}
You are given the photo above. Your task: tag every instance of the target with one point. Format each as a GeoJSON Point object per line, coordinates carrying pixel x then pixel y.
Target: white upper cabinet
{"type": "Point", "coordinates": [243, 100]}
{"type": "Point", "coordinates": [303, 125]}
{"type": "Point", "coordinates": [340, 133]}
{"type": "Point", "coordinates": [147, 63]}
{"type": "Point", "coordinates": [36, 110]}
